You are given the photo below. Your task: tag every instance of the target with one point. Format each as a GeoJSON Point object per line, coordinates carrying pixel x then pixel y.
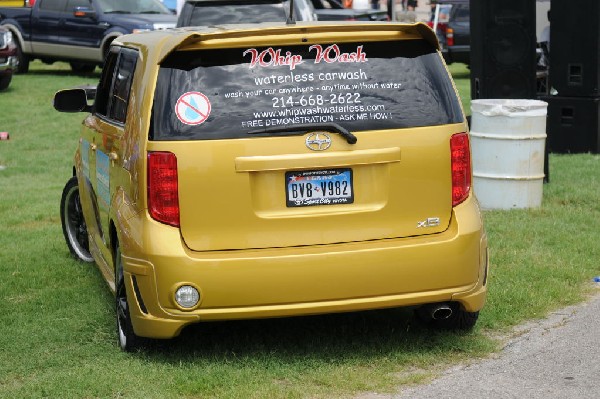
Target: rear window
{"type": "Point", "coordinates": [205, 13]}
{"type": "Point", "coordinates": [227, 93]}
{"type": "Point", "coordinates": [461, 13]}
{"type": "Point", "coordinates": [129, 7]}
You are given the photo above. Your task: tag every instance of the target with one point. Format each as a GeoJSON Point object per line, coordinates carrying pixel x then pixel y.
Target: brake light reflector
{"type": "Point", "coordinates": [450, 37]}
{"type": "Point", "coordinates": [163, 190]}
{"type": "Point", "coordinates": [461, 167]}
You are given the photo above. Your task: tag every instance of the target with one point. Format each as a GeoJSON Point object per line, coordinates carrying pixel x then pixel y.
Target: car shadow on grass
{"type": "Point", "coordinates": [66, 72]}
{"type": "Point", "coordinates": [334, 337]}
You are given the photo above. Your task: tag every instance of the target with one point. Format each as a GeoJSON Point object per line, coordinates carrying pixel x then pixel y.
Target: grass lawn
{"type": "Point", "coordinates": [461, 76]}
{"type": "Point", "coordinates": [57, 330]}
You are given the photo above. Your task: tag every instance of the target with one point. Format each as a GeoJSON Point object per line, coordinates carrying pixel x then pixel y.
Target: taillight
{"type": "Point", "coordinates": [441, 26]}
{"type": "Point", "coordinates": [163, 195]}
{"type": "Point", "coordinates": [450, 37]}
{"type": "Point", "coordinates": [461, 167]}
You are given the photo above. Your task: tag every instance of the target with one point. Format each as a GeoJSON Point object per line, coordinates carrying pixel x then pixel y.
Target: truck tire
{"type": "Point", "coordinates": [22, 60]}
{"type": "Point", "coordinates": [4, 82]}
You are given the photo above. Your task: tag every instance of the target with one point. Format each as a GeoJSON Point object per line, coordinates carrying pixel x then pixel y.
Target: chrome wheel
{"type": "Point", "coordinates": [73, 223]}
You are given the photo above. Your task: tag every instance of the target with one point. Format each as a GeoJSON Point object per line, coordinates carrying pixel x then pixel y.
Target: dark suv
{"type": "Point", "coordinates": [453, 29]}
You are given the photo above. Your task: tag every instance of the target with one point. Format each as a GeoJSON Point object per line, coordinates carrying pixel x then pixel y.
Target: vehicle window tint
{"type": "Point", "coordinates": [52, 5]}
{"type": "Point", "coordinates": [132, 7]}
{"type": "Point", "coordinates": [112, 96]}
{"type": "Point", "coordinates": [335, 4]}
{"type": "Point", "coordinates": [105, 84]}
{"type": "Point", "coordinates": [216, 94]}
{"type": "Point", "coordinates": [71, 4]}
{"type": "Point", "coordinates": [235, 12]}
{"type": "Point", "coordinates": [461, 13]}
{"type": "Point", "coordinates": [122, 85]}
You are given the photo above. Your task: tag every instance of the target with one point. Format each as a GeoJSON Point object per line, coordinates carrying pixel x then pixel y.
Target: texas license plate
{"type": "Point", "coordinates": [319, 187]}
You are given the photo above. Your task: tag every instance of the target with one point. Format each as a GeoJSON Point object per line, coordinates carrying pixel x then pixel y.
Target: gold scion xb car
{"type": "Point", "coordinates": [275, 170]}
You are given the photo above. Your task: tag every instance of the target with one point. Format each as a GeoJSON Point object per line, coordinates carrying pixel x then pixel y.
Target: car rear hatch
{"type": "Point", "coordinates": [315, 135]}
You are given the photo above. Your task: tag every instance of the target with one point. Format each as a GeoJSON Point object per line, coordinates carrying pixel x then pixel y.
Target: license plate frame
{"type": "Point", "coordinates": [319, 187]}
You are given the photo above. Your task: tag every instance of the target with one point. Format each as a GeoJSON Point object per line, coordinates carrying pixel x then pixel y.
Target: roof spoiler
{"type": "Point", "coordinates": [191, 37]}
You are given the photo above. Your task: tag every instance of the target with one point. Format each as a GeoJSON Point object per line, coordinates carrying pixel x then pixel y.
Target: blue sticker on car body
{"type": "Point", "coordinates": [103, 179]}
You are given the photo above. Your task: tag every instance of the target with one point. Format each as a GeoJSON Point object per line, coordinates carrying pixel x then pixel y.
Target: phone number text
{"type": "Point", "coordinates": [318, 99]}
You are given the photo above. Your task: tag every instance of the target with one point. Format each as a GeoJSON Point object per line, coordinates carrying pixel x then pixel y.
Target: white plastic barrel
{"type": "Point", "coordinates": [507, 144]}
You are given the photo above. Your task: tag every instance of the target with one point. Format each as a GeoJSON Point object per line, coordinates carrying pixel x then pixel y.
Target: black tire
{"type": "Point", "coordinates": [128, 341]}
{"type": "Point", "coordinates": [81, 67]}
{"type": "Point", "coordinates": [22, 60]}
{"type": "Point", "coordinates": [4, 82]}
{"type": "Point", "coordinates": [73, 223]}
{"type": "Point", "coordinates": [459, 320]}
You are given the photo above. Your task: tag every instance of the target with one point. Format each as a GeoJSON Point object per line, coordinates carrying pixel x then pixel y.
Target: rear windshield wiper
{"type": "Point", "coordinates": [303, 128]}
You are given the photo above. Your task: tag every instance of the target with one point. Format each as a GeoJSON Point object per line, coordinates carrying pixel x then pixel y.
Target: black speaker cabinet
{"type": "Point", "coordinates": [503, 42]}
{"type": "Point", "coordinates": [575, 47]}
{"type": "Point", "coordinates": [573, 124]}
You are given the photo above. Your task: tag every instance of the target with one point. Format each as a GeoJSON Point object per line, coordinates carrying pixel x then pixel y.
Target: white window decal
{"type": "Point", "coordinates": [192, 108]}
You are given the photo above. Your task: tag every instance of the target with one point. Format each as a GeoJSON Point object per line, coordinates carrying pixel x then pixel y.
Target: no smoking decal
{"type": "Point", "coordinates": [192, 108]}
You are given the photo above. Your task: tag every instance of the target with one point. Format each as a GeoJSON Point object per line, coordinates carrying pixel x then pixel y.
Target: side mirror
{"type": "Point", "coordinates": [84, 12]}
{"type": "Point", "coordinates": [72, 100]}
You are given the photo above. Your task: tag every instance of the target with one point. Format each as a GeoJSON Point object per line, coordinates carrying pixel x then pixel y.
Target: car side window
{"type": "Point", "coordinates": [71, 4]}
{"type": "Point", "coordinates": [53, 5]}
{"type": "Point", "coordinates": [103, 91]}
{"type": "Point", "coordinates": [112, 96]}
{"type": "Point", "coordinates": [461, 13]}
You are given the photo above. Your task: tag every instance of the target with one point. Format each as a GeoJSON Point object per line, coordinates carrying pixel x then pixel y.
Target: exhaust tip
{"type": "Point", "coordinates": [435, 311]}
{"type": "Point", "coordinates": [441, 312]}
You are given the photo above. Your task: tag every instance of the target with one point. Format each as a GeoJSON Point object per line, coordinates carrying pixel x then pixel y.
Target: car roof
{"type": "Point", "coordinates": [237, 1]}
{"type": "Point", "coordinates": [159, 43]}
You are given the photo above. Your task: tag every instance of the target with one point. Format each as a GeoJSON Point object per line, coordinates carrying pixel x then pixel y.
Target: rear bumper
{"type": "Point", "coordinates": [449, 266]}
